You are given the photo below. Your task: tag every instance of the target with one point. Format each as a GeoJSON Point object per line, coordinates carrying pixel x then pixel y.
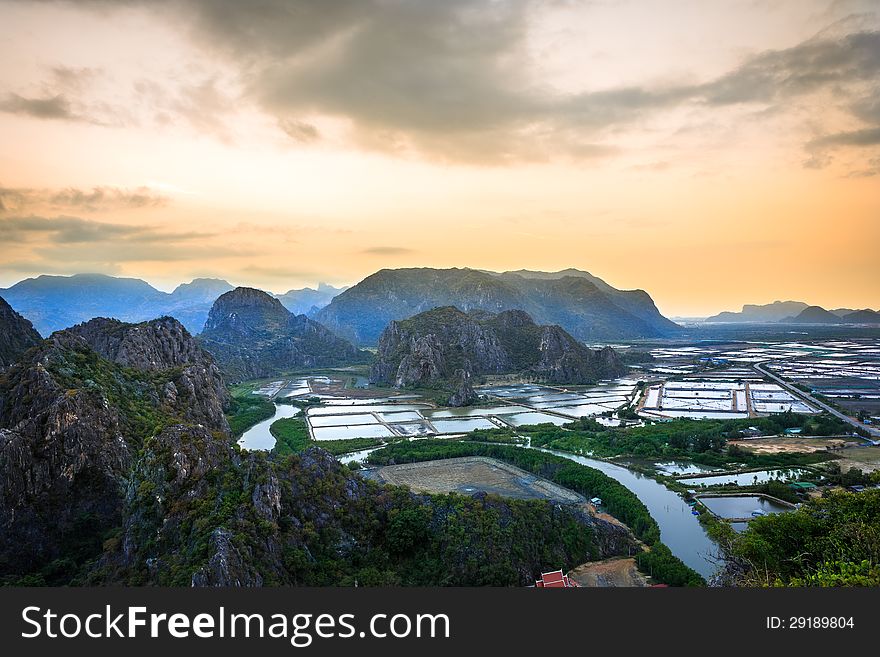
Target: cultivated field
{"type": "Point", "coordinates": [469, 475]}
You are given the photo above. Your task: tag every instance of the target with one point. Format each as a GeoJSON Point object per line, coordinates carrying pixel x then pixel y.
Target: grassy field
{"type": "Point", "coordinates": [247, 409]}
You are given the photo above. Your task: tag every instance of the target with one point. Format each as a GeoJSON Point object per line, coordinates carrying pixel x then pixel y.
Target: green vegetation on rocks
{"type": "Point", "coordinates": [828, 541]}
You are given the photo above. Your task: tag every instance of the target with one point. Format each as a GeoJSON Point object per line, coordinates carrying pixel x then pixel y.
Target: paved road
{"type": "Point", "coordinates": [804, 395]}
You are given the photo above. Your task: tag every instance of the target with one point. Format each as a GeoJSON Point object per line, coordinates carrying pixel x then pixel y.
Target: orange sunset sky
{"type": "Point", "coordinates": [711, 153]}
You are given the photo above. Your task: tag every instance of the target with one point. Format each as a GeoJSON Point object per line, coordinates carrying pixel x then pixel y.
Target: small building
{"type": "Point", "coordinates": [802, 486]}
{"type": "Point", "coordinates": [555, 580]}
{"type": "Point", "coordinates": [596, 501]}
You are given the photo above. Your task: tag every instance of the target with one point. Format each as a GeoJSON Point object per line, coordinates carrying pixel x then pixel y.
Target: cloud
{"type": "Point", "coordinates": [64, 230]}
{"type": "Point", "coordinates": [276, 272]}
{"type": "Point", "coordinates": [96, 199]}
{"type": "Point", "coordinates": [299, 131]}
{"type": "Point", "coordinates": [388, 251]}
{"type": "Point", "coordinates": [865, 137]}
{"type": "Point", "coordinates": [450, 80]}
{"type": "Point", "coordinates": [50, 107]}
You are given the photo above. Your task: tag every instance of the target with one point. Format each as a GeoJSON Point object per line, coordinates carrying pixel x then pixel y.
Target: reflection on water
{"type": "Point", "coordinates": [744, 479]}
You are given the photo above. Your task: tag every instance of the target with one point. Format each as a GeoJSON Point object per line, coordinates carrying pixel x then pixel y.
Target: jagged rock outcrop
{"type": "Point", "coordinates": [17, 335]}
{"type": "Point", "coordinates": [195, 389]}
{"type": "Point", "coordinates": [464, 394]}
{"type": "Point", "coordinates": [252, 335]}
{"type": "Point", "coordinates": [437, 346]}
{"type": "Point", "coordinates": [72, 422]}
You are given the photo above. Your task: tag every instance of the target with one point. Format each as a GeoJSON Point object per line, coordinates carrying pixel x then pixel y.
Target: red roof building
{"type": "Point", "coordinates": [555, 580]}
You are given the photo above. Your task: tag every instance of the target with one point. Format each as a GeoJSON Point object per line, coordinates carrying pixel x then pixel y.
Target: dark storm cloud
{"type": "Point", "coordinates": [74, 199]}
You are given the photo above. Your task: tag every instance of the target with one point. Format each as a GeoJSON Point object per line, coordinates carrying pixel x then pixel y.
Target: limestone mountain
{"type": "Point", "coordinates": [582, 304]}
{"type": "Point", "coordinates": [438, 346]}
{"type": "Point", "coordinates": [770, 312]}
{"type": "Point", "coordinates": [819, 315]}
{"type": "Point", "coordinates": [864, 316]}
{"type": "Point", "coordinates": [56, 302]}
{"type": "Point", "coordinates": [307, 300]}
{"type": "Point", "coordinates": [813, 315]}
{"type": "Point", "coordinates": [17, 335]}
{"type": "Point", "coordinates": [74, 413]}
{"type": "Point", "coordinates": [252, 335]}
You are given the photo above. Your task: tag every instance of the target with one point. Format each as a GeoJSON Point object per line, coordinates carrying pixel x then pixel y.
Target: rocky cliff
{"type": "Point", "coordinates": [72, 422]}
{"type": "Point", "coordinates": [252, 335]}
{"type": "Point", "coordinates": [447, 346]}
{"type": "Point", "coordinates": [17, 335]}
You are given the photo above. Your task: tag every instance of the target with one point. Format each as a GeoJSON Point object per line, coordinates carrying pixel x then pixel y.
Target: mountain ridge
{"type": "Point", "coordinates": [587, 310]}
{"type": "Point", "coordinates": [53, 303]}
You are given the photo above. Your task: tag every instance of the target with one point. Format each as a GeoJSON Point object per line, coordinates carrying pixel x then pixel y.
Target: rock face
{"type": "Point", "coordinates": [17, 335]}
{"type": "Point", "coordinates": [195, 389]}
{"type": "Point", "coordinates": [584, 305]}
{"type": "Point", "coordinates": [72, 421]}
{"type": "Point", "coordinates": [447, 346]}
{"type": "Point", "coordinates": [252, 335]}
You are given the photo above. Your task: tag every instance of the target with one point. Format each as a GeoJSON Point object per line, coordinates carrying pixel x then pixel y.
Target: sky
{"type": "Point", "coordinates": [711, 153]}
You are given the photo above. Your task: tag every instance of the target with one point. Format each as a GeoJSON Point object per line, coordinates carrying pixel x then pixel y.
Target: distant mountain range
{"type": "Point", "coordinates": [771, 312]}
{"type": "Point", "coordinates": [446, 346]}
{"type": "Point", "coordinates": [818, 315]}
{"type": "Point", "coordinates": [796, 312]}
{"type": "Point", "coordinates": [252, 335]}
{"type": "Point", "coordinates": [52, 303]}
{"type": "Point", "coordinates": [308, 301]}
{"type": "Point", "coordinates": [582, 304]}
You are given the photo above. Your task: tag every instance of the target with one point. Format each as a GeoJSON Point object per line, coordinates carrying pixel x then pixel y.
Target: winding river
{"type": "Point", "coordinates": [679, 528]}
{"type": "Point", "coordinates": [259, 436]}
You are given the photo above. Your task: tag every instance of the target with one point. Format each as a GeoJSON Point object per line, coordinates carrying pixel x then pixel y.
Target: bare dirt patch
{"type": "Point", "coordinates": [472, 474]}
{"type": "Point", "coordinates": [791, 444]}
{"type": "Point", "coordinates": [608, 573]}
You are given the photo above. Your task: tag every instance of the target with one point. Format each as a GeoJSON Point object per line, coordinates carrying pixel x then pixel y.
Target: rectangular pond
{"type": "Point", "coordinates": [742, 507]}
{"type": "Point", "coordinates": [345, 431]}
{"type": "Point", "coordinates": [462, 425]}
{"type": "Point", "coordinates": [744, 478]}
